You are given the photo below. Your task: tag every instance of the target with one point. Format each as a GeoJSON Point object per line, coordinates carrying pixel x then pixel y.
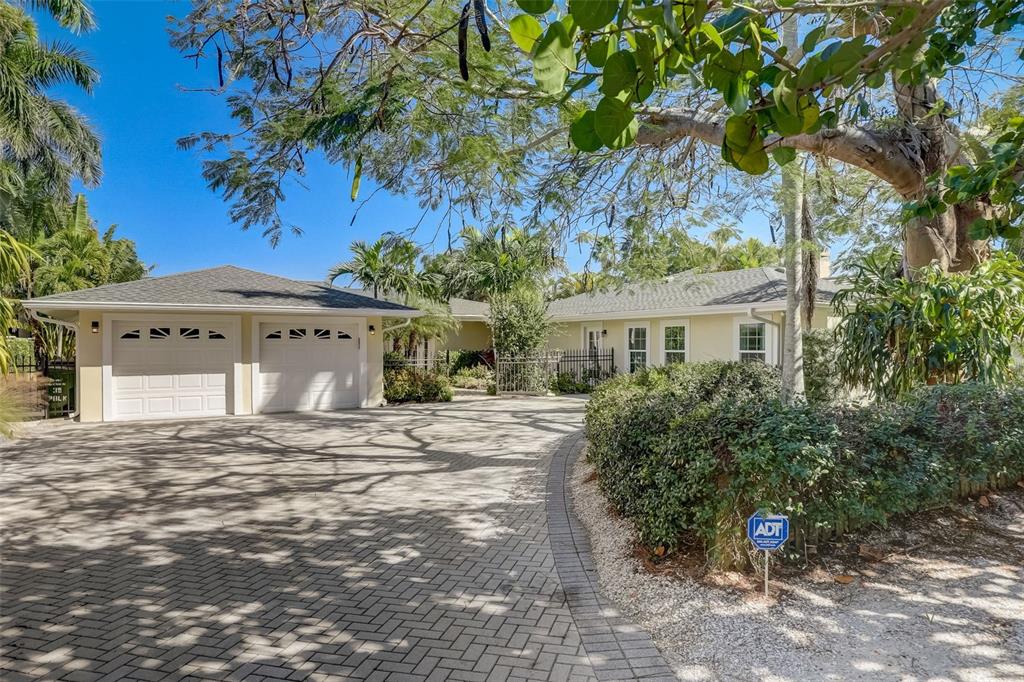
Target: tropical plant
{"type": "Point", "coordinates": [494, 261]}
{"type": "Point", "coordinates": [14, 265]}
{"type": "Point", "coordinates": [388, 268]}
{"type": "Point", "coordinates": [896, 333]}
{"type": "Point", "coordinates": [38, 131]}
{"type": "Point", "coordinates": [436, 323]}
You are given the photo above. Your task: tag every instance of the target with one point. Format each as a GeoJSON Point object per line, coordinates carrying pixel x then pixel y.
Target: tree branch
{"type": "Point", "coordinates": [856, 146]}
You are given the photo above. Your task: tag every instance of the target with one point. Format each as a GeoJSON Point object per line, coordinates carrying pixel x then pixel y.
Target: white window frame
{"type": "Point", "coordinates": [769, 339]}
{"type": "Point", "coordinates": [685, 324]}
{"type": "Point", "coordinates": [586, 329]}
{"type": "Point", "coordinates": [625, 344]}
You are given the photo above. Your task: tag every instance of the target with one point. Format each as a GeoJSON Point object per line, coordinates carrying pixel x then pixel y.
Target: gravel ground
{"type": "Point", "coordinates": [918, 614]}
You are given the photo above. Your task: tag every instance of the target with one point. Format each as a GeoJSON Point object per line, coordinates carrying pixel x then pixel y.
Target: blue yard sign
{"type": "Point", "coordinates": [768, 531]}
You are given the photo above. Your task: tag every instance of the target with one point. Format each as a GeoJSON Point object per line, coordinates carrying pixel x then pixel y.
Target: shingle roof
{"type": "Point", "coordinates": [225, 286]}
{"type": "Point", "coordinates": [687, 290]}
{"type": "Point", "coordinates": [463, 307]}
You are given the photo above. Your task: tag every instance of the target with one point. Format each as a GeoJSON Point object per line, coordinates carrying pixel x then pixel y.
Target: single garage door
{"type": "Point", "coordinates": [308, 367]}
{"type": "Point", "coordinates": [162, 370]}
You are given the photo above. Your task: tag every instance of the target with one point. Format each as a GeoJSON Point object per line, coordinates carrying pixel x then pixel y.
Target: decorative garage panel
{"type": "Point", "coordinates": [161, 370]}
{"type": "Point", "coordinates": [308, 367]}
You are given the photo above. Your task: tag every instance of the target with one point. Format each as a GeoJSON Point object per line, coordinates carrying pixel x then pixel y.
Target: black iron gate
{"type": "Point", "coordinates": [55, 381]}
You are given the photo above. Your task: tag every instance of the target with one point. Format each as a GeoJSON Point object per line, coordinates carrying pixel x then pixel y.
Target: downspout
{"type": "Point", "coordinates": [767, 320]}
{"type": "Point", "coordinates": [45, 319]}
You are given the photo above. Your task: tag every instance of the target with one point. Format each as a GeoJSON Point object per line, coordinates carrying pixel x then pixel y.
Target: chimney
{"type": "Point", "coordinates": [824, 265]}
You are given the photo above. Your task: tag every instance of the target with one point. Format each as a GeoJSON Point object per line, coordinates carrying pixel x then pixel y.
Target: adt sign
{"type": "Point", "coordinates": [766, 531]}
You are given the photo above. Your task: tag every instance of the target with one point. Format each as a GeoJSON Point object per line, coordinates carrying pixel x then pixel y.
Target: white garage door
{"type": "Point", "coordinates": [308, 367]}
{"type": "Point", "coordinates": [162, 370]}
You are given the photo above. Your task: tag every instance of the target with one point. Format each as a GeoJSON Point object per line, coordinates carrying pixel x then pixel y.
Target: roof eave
{"type": "Point", "coordinates": [109, 306]}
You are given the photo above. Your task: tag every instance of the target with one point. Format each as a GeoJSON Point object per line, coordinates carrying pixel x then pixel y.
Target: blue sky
{"type": "Point", "coordinates": [155, 193]}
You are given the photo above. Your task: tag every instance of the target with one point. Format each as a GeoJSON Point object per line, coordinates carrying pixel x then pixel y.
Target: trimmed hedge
{"type": "Point", "coordinates": [690, 451]}
{"type": "Point", "coordinates": [415, 385]}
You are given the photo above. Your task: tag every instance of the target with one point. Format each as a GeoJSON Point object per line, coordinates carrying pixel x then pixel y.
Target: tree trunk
{"type": "Point", "coordinates": [793, 210]}
{"type": "Point", "coordinates": [944, 238]}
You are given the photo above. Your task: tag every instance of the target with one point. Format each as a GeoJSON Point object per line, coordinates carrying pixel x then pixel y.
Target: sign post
{"type": "Point", "coordinates": [767, 532]}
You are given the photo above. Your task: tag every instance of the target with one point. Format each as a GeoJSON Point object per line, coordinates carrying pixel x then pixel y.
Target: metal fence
{"type": "Point", "coordinates": [54, 380]}
{"type": "Point", "coordinates": [567, 370]}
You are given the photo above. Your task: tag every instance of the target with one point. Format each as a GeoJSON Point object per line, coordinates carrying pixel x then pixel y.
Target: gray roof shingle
{"type": "Point", "coordinates": [226, 286]}
{"type": "Point", "coordinates": [687, 290]}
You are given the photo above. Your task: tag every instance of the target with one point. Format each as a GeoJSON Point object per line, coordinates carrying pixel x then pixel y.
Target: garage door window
{"type": "Point", "coordinates": [159, 333]}
{"type": "Point", "coordinates": [132, 335]}
{"type": "Point", "coordinates": [343, 336]}
{"type": "Point", "coordinates": [322, 334]}
{"type": "Point", "coordinates": [296, 333]}
{"type": "Point", "coordinates": [216, 336]}
{"type": "Point", "coordinates": [191, 333]}
{"type": "Point", "coordinates": [274, 335]}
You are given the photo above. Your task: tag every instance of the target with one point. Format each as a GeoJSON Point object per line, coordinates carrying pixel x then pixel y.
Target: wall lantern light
{"type": "Point", "coordinates": [373, 330]}
{"type": "Point", "coordinates": [604, 332]}
{"type": "Point", "coordinates": [95, 326]}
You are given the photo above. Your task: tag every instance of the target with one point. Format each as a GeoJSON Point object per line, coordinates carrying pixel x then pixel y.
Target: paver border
{"type": "Point", "coordinates": [618, 649]}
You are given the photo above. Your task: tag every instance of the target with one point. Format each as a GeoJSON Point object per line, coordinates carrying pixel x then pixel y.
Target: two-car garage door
{"type": "Point", "coordinates": [163, 369]}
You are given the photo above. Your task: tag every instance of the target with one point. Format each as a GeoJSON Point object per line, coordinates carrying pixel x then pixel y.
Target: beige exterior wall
{"type": "Point", "coordinates": [90, 365]}
{"type": "Point", "coordinates": [89, 387]}
{"type": "Point", "coordinates": [471, 335]}
{"type": "Point", "coordinates": [709, 337]}
{"type": "Point", "coordinates": [375, 363]}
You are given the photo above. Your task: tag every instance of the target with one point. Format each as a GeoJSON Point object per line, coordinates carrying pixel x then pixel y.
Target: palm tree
{"type": "Point", "coordinates": [14, 265]}
{"type": "Point", "coordinates": [36, 130]}
{"type": "Point", "coordinates": [387, 267]}
{"type": "Point", "coordinates": [74, 257]}
{"type": "Point", "coordinates": [496, 261]}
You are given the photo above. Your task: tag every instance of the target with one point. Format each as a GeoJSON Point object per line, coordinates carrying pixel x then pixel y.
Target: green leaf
{"type": "Point", "coordinates": [785, 123]}
{"type": "Point", "coordinates": [583, 134]}
{"type": "Point", "coordinates": [357, 177]}
{"type": "Point", "coordinates": [740, 131]}
{"type": "Point", "coordinates": [535, 6]}
{"type": "Point", "coordinates": [591, 15]}
{"type": "Point", "coordinates": [754, 161]}
{"type": "Point", "coordinates": [599, 51]}
{"type": "Point", "coordinates": [615, 123]}
{"type": "Point", "coordinates": [712, 35]}
{"type": "Point", "coordinates": [619, 73]}
{"type": "Point", "coordinates": [812, 38]}
{"type": "Point", "coordinates": [525, 31]}
{"type": "Point", "coordinates": [783, 155]}
{"type": "Point", "coordinates": [553, 58]}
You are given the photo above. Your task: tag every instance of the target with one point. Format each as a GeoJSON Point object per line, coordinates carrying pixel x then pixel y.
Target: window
{"type": "Point", "coordinates": [214, 335]}
{"type": "Point", "coordinates": [343, 336]}
{"type": "Point", "coordinates": [274, 335]}
{"type": "Point", "coordinates": [636, 346]}
{"type": "Point", "coordinates": [753, 342]}
{"type": "Point", "coordinates": [675, 343]}
{"type": "Point", "coordinates": [296, 333]}
{"type": "Point", "coordinates": [159, 332]}
{"type": "Point", "coordinates": [132, 334]}
{"type": "Point", "coordinates": [188, 333]}
{"type": "Point", "coordinates": [322, 334]}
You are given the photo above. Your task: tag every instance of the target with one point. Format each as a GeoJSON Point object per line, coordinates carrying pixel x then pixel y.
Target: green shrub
{"type": "Point", "coordinates": [465, 359]}
{"type": "Point", "coordinates": [692, 451]}
{"type": "Point", "coordinates": [822, 382]}
{"type": "Point", "coordinates": [477, 377]}
{"type": "Point", "coordinates": [415, 385]}
{"type": "Point", "coordinates": [22, 351]}
{"type": "Point", "coordinates": [565, 382]}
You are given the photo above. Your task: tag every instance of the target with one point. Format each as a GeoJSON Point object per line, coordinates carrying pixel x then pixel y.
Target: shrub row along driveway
{"type": "Point", "coordinates": [405, 543]}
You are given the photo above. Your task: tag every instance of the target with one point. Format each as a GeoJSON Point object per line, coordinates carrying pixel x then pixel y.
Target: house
{"type": "Point", "coordinates": [221, 341]}
{"type": "Point", "coordinates": [735, 315]}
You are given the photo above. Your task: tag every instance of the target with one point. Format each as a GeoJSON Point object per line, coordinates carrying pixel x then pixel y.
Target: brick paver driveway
{"type": "Point", "coordinates": [402, 543]}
